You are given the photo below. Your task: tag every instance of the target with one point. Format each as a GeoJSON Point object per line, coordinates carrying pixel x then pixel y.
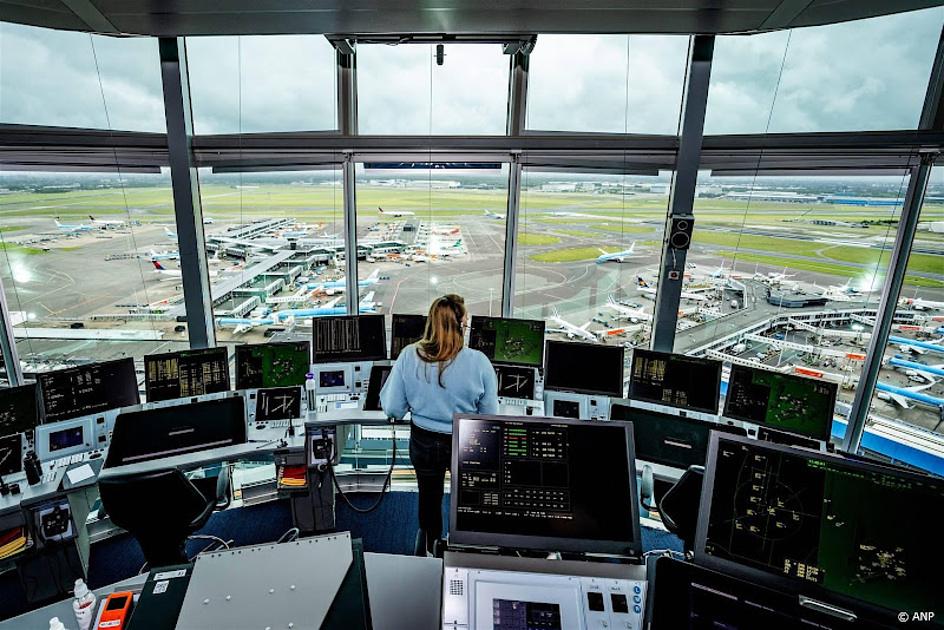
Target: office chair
{"type": "Point", "coordinates": [678, 507]}
{"type": "Point", "coordinates": [160, 509]}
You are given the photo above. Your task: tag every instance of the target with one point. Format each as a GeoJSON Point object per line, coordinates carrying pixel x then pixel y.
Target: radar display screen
{"type": "Point", "coordinates": [587, 368]}
{"type": "Point", "coordinates": [406, 329]}
{"type": "Point", "coordinates": [785, 402]}
{"type": "Point", "coordinates": [19, 412]}
{"type": "Point", "coordinates": [186, 373]}
{"type": "Point", "coordinates": [825, 521]}
{"type": "Point", "coordinates": [512, 614]}
{"type": "Point", "coordinates": [515, 382]}
{"type": "Point", "coordinates": [508, 341]}
{"type": "Point", "coordinates": [278, 403]}
{"type": "Point", "coordinates": [346, 338]}
{"type": "Point", "coordinates": [88, 389]}
{"type": "Point", "coordinates": [272, 364]}
{"type": "Point", "coordinates": [536, 483]}
{"type": "Point", "coordinates": [11, 454]}
{"type": "Point", "coordinates": [675, 380]}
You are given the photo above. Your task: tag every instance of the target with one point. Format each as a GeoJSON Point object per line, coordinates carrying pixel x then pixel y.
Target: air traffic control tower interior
{"type": "Point", "coordinates": [700, 245]}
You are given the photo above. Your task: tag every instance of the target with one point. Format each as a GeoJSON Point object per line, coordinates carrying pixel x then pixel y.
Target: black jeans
{"type": "Point", "coordinates": [431, 456]}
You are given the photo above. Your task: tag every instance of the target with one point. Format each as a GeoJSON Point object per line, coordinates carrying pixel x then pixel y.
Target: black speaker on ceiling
{"type": "Point", "coordinates": [680, 233]}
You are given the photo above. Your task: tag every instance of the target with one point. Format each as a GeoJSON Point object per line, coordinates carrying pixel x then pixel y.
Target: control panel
{"type": "Point", "coordinates": [338, 386]}
{"type": "Point", "coordinates": [508, 600]}
{"type": "Point", "coordinates": [560, 404]}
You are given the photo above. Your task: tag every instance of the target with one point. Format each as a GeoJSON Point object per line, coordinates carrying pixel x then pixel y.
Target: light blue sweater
{"type": "Point", "coordinates": [469, 386]}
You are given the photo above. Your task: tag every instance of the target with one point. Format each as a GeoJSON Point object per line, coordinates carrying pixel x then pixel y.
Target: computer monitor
{"type": "Point", "coordinates": [515, 382]}
{"type": "Point", "coordinates": [348, 338]}
{"type": "Point", "coordinates": [675, 380]}
{"type": "Point", "coordinates": [406, 329]}
{"type": "Point", "coordinates": [11, 454]}
{"type": "Point", "coordinates": [88, 389]}
{"type": "Point", "coordinates": [508, 341]}
{"type": "Point", "coordinates": [19, 411]}
{"type": "Point", "coordinates": [278, 403]}
{"type": "Point", "coordinates": [784, 402]}
{"type": "Point", "coordinates": [842, 530]}
{"type": "Point", "coordinates": [586, 368]}
{"type": "Point", "coordinates": [685, 596]}
{"type": "Point", "coordinates": [378, 377]}
{"type": "Point", "coordinates": [544, 483]}
{"type": "Point", "coordinates": [141, 436]}
{"type": "Point", "coordinates": [667, 439]}
{"type": "Point", "coordinates": [282, 364]}
{"type": "Point", "coordinates": [186, 373]}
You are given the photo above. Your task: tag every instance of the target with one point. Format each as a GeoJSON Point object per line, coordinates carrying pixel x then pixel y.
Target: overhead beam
{"type": "Point", "coordinates": [682, 193]}
{"type": "Point", "coordinates": [89, 13]}
{"type": "Point", "coordinates": [188, 209]}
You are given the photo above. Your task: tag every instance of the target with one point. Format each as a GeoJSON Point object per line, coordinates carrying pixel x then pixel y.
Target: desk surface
{"type": "Point", "coordinates": [404, 592]}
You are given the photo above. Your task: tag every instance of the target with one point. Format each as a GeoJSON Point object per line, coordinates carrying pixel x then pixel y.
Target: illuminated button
{"type": "Point", "coordinates": [637, 609]}
{"type": "Point", "coordinates": [637, 590]}
{"type": "Point", "coordinates": [637, 599]}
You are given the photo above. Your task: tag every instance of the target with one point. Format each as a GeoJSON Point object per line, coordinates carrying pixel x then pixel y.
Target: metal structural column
{"type": "Point", "coordinates": [517, 108]}
{"type": "Point", "coordinates": [186, 189]}
{"type": "Point", "coordinates": [347, 125]}
{"type": "Point", "coordinates": [894, 278]}
{"type": "Point", "coordinates": [682, 195]}
{"type": "Point", "coordinates": [511, 237]}
{"type": "Point", "coordinates": [11, 359]}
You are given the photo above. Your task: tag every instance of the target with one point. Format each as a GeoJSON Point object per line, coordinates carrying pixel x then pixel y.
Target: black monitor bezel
{"type": "Point", "coordinates": [685, 420]}
{"type": "Point", "coordinates": [544, 543]}
{"type": "Point", "coordinates": [541, 322]}
{"type": "Point", "coordinates": [37, 406]}
{"type": "Point", "coordinates": [593, 392]}
{"type": "Point", "coordinates": [668, 356]}
{"type": "Point", "coordinates": [185, 353]}
{"type": "Point", "coordinates": [773, 579]}
{"type": "Point", "coordinates": [243, 348]}
{"type": "Point", "coordinates": [824, 434]}
{"type": "Point", "coordinates": [44, 419]}
{"type": "Point", "coordinates": [393, 329]}
{"type": "Point", "coordinates": [380, 356]}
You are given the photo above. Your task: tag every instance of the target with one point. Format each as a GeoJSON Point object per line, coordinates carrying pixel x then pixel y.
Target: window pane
{"type": "Point", "coordinates": [793, 268]}
{"type": "Point", "coordinates": [401, 90]}
{"type": "Point", "coordinates": [583, 243]}
{"type": "Point", "coordinates": [443, 232]}
{"type": "Point", "coordinates": [85, 289]}
{"type": "Point", "coordinates": [262, 83]}
{"type": "Point", "coordinates": [60, 78]}
{"type": "Point", "coordinates": [607, 83]}
{"type": "Point", "coordinates": [270, 238]}
{"type": "Point", "coordinates": [905, 423]}
{"type": "Point", "coordinates": [863, 75]}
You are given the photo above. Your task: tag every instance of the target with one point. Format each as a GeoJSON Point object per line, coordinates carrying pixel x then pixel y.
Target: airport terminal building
{"type": "Point", "coordinates": [462, 316]}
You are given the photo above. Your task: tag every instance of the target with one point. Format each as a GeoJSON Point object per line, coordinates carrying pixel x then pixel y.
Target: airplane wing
{"type": "Point", "coordinates": [331, 303]}
{"type": "Point", "coordinates": [242, 328]}
{"type": "Point", "coordinates": [899, 400]}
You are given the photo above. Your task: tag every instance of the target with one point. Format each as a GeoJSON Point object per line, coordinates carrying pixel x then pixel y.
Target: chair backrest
{"type": "Point", "coordinates": [162, 500]}
{"type": "Point", "coordinates": [678, 507]}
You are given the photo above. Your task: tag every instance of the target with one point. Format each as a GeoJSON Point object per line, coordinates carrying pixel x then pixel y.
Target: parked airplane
{"type": "Point", "coordinates": [901, 395]}
{"type": "Point", "coordinates": [73, 228]}
{"type": "Point", "coordinates": [394, 213]}
{"type": "Point", "coordinates": [619, 257]}
{"type": "Point", "coordinates": [920, 304]}
{"type": "Point", "coordinates": [572, 331]}
{"type": "Point", "coordinates": [107, 223]}
{"type": "Point", "coordinates": [632, 314]}
{"type": "Point", "coordinates": [644, 287]}
{"type": "Point", "coordinates": [164, 255]}
{"type": "Point", "coordinates": [176, 273]}
{"type": "Point", "coordinates": [494, 215]}
{"type": "Point", "coordinates": [914, 370]}
{"type": "Point", "coordinates": [330, 287]}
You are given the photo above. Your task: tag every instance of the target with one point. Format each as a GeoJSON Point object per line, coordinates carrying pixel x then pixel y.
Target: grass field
{"type": "Point", "coordinates": [570, 254]}
{"type": "Point", "coordinates": [531, 238]}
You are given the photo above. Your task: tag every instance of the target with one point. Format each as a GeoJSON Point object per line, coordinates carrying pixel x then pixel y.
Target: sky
{"type": "Point", "coordinates": [864, 75]}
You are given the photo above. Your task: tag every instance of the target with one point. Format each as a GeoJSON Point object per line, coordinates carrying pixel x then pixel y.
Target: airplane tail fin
{"type": "Point", "coordinates": [374, 275]}
{"type": "Point", "coordinates": [640, 282]}
{"type": "Point", "coordinates": [157, 265]}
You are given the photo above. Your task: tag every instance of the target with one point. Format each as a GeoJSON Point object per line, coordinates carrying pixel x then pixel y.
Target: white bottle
{"type": "Point", "coordinates": [55, 624]}
{"type": "Point", "coordinates": [310, 392]}
{"type": "Point", "coordinates": [83, 605]}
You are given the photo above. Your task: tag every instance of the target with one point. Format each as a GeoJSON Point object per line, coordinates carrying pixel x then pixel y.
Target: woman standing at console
{"type": "Point", "coordinates": [433, 379]}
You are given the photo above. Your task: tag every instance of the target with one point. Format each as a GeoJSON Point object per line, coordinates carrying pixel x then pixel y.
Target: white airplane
{"type": "Point", "coordinates": [773, 278]}
{"type": "Point", "coordinates": [107, 223]}
{"type": "Point", "coordinates": [299, 296]}
{"type": "Point", "coordinates": [164, 255]}
{"type": "Point", "coordinates": [394, 213]}
{"type": "Point", "coordinates": [572, 331]}
{"type": "Point", "coordinates": [920, 304]}
{"type": "Point", "coordinates": [632, 314]}
{"type": "Point", "coordinates": [331, 287]}
{"type": "Point", "coordinates": [172, 274]}
{"type": "Point", "coordinates": [73, 228]}
{"type": "Point", "coordinates": [493, 215]}
{"type": "Point", "coordinates": [619, 257]}
{"type": "Point", "coordinates": [644, 287]}
{"type": "Point", "coordinates": [170, 233]}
